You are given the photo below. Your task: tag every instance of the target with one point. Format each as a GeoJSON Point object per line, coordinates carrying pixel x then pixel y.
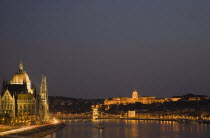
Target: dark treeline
{"type": "Point", "coordinates": [178, 107]}
{"type": "Point", "coordinates": [71, 105]}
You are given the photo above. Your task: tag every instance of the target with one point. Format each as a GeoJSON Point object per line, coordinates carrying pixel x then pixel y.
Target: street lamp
{"type": "Point", "coordinates": [3, 121]}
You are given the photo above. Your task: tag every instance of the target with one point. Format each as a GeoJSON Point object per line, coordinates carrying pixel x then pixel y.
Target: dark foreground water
{"type": "Point", "coordinates": [131, 129]}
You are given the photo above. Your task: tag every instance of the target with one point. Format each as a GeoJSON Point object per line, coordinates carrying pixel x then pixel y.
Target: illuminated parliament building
{"type": "Point", "coordinates": [20, 101]}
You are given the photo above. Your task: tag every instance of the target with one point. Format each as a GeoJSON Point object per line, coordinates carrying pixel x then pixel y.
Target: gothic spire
{"type": "Point", "coordinates": [21, 65]}
{"type": "Point", "coordinates": [44, 79]}
{"type": "Point", "coordinates": [43, 103]}
{"type": "Point", "coordinates": [44, 84]}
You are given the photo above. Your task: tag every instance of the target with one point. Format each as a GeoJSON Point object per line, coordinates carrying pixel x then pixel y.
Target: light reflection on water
{"type": "Point", "coordinates": [131, 129]}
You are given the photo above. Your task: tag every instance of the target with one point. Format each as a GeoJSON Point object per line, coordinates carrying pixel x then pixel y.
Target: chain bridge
{"type": "Point", "coordinates": [94, 114]}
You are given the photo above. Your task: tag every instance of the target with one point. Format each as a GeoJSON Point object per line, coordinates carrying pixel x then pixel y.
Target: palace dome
{"type": "Point", "coordinates": [135, 94]}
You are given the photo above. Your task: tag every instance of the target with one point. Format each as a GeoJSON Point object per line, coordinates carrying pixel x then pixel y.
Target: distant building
{"type": "Point", "coordinates": [173, 99]}
{"type": "Point", "coordinates": [192, 97]}
{"type": "Point", "coordinates": [150, 100]}
{"type": "Point", "coordinates": [187, 97]}
{"type": "Point", "coordinates": [18, 98]}
{"type": "Point", "coordinates": [131, 114]}
{"type": "Point", "coordinates": [134, 99]}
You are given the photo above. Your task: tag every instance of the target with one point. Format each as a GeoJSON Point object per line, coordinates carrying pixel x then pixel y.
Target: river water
{"type": "Point", "coordinates": [131, 129]}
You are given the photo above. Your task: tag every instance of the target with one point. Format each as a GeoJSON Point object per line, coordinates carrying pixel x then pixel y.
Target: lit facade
{"type": "Point", "coordinates": [131, 114]}
{"type": "Point", "coordinates": [18, 98]}
{"type": "Point", "coordinates": [149, 100]}
{"type": "Point", "coordinates": [134, 99]}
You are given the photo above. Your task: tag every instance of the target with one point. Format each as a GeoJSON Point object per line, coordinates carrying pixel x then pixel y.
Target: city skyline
{"type": "Point", "coordinates": [105, 49]}
{"type": "Point", "coordinates": [186, 91]}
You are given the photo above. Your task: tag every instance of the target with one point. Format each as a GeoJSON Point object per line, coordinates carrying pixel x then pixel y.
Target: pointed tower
{"type": "Point", "coordinates": [21, 65]}
{"type": "Point", "coordinates": [13, 106]}
{"type": "Point", "coordinates": [43, 100]}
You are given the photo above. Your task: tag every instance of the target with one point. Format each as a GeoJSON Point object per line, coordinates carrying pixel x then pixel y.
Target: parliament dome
{"type": "Point", "coordinates": [20, 77]}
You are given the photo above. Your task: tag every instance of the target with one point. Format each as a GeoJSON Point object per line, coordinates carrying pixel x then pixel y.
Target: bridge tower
{"type": "Point", "coordinates": [95, 112]}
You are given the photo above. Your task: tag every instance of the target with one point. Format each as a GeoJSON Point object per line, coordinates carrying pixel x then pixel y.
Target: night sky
{"type": "Point", "coordinates": [108, 48]}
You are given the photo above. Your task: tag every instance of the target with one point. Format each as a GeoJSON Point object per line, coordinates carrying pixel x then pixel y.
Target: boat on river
{"type": "Point", "coordinates": [203, 121]}
{"type": "Point", "coordinates": [185, 121]}
{"type": "Point", "coordinates": [100, 126]}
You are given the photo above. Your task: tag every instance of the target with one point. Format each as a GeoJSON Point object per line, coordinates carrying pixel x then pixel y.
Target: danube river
{"type": "Point", "coordinates": [131, 129]}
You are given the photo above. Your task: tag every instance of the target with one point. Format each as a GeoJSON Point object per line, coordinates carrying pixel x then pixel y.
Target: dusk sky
{"type": "Point", "coordinates": [108, 48]}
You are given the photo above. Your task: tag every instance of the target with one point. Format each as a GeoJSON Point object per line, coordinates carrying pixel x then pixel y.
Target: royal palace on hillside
{"type": "Point", "coordinates": [20, 101]}
{"type": "Point", "coordinates": [149, 99]}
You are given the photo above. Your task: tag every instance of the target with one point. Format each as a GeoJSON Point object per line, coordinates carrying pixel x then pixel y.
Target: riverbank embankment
{"type": "Point", "coordinates": [35, 131]}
